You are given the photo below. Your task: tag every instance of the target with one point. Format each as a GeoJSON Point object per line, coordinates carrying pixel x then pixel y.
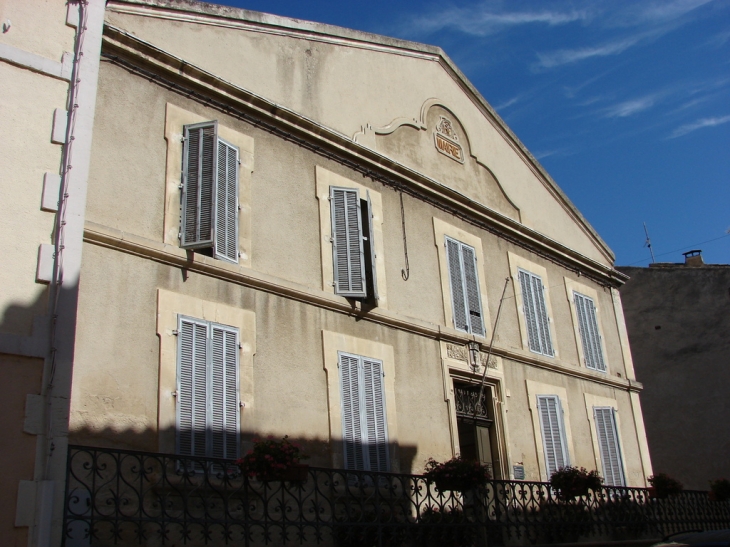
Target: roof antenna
{"type": "Point", "coordinates": [647, 243]}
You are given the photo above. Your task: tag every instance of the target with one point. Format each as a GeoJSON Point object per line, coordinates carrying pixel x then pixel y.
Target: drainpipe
{"type": "Point", "coordinates": [68, 243]}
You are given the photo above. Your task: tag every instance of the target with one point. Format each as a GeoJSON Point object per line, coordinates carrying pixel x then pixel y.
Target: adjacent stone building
{"type": "Point", "coordinates": [678, 318]}
{"type": "Point", "coordinates": [272, 226]}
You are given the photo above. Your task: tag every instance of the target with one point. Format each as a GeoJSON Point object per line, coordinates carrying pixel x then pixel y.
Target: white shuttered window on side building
{"type": "Point", "coordinates": [466, 300]}
{"type": "Point", "coordinates": [590, 337]}
{"type": "Point", "coordinates": [607, 433]}
{"type": "Point", "coordinates": [364, 418]}
{"type": "Point", "coordinates": [536, 314]}
{"type": "Point", "coordinates": [353, 244]}
{"type": "Point", "coordinates": [208, 416]}
{"type": "Point", "coordinates": [552, 427]}
{"type": "Point", "coordinates": [209, 208]}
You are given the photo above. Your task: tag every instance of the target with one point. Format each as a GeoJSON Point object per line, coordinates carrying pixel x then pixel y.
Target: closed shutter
{"type": "Point", "coordinates": [191, 389]}
{"type": "Point", "coordinates": [349, 262]}
{"type": "Point", "coordinates": [473, 297]}
{"type": "Point", "coordinates": [536, 316]}
{"type": "Point", "coordinates": [553, 433]}
{"type": "Point", "coordinates": [589, 334]}
{"type": "Point", "coordinates": [223, 393]}
{"type": "Point", "coordinates": [226, 232]}
{"type": "Point", "coordinates": [371, 245]}
{"type": "Point", "coordinates": [605, 420]}
{"type": "Point", "coordinates": [200, 157]}
{"type": "Point", "coordinates": [351, 413]}
{"type": "Point", "coordinates": [374, 417]}
{"type": "Point", "coordinates": [456, 279]}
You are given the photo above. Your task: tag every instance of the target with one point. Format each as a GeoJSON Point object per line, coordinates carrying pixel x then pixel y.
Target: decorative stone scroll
{"type": "Point", "coordinates": [461, 353]}
{"type": "Point", "coordinates": [447, 141]}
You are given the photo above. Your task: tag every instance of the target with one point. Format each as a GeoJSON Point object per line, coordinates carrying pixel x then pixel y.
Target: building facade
{"type": "Point", "coordinates": [677, 318]}
{"type": "Point", "coordinates": [296, 229]}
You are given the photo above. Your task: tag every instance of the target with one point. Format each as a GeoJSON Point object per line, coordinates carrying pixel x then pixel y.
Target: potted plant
{"type": "Point", "coordinates": [456, 474]}
{"type": "Point", "coordinates": [273, 460]}
{"type": "Point", "coordinates": [720, 490]}
{"type": "Point", "coordinates": [573, 481]}
{"type": "Point", "coordinates": [663, 486]}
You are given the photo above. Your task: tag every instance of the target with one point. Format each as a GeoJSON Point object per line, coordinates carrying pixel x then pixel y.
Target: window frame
{"type": "Point", "coordinates": [560, 416]}
{"type": "Point", "coordinates": [464, 286]}
{"type": "Point", "coordinates": [547, 333]}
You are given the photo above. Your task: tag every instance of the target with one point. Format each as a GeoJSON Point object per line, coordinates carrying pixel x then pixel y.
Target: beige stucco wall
{"type": "Point", "coordinates": [37, 26]}
{"type": "Point", "coordinates": [117, 371]}
{"type": "Point", "coordinates": [341, 83]}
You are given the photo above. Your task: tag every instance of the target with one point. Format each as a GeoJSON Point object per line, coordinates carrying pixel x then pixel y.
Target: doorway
{"type": "Point", "coordinates": [475, 426]}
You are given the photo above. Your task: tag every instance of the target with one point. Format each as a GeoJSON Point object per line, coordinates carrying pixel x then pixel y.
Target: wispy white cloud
{"type": "Point", "coordinates": [631, 107]}
{"type": "Point", "coordinates": [508, 103]}
{"type": "Point", "coordinates": [718, 39]}
{"type": "Point", "coordinates": [699, 124]}
{"type": "Point", "coordinates": [485, 19]}
{"type": "Point", "coordinates": [567, 56]}
{"type": "Point", "coordinates": [665, 11]}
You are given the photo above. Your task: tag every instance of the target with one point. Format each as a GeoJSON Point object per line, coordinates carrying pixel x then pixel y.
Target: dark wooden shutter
{"type": "Point", "coordinates": [374, 416]}
{"type": "Point", "coordinates": [223, 403]}
{"type": "Point", "coordinates": [226, 218]}
{"type": "Point", "coordinates": [553, 433]}
{"type": "Point", "coordinates": [611, 461]}
{"type": "Point", "coordinates": [192, 358]}
{"type": "Point", "coordinates": [351, 411]}
{"type": "Point", "coordinates": [456, 281]}
{"type": "Point", "coordinates": [200, 159]}
{"type": "Point", "coordinates": [473, 295]}
{"type": "Point", "coordinates": [348, 257]}
{"type": "Point", "coordinates": [589, 333]}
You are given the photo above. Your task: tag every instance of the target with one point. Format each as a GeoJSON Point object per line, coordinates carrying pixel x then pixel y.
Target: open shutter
{"type": "Point", "coordinates": [191, 388]}
{"type": "Point", "coordinates": [200, 159]}
{"type": "Point", "coordinates": [546, 344]}
{"type": "Point", "coordinates": [226, 230]}
{"type": "Point", "coordinates": [371, 245]}
{"type": "Point", "coordinates": [605, 420]}
{"type": "Point", "coordinates": [473, 295]}
{"type": "Point", "coordinates": [528, 307]}
{"type": "Point", "coordinates": [589, 334]}
{"type": "Point", "coordinates": [349, 260]}
{"type": "Point", "coordinates": [553, 433]}
{"type": "Point", "coordinates": [351, 411]}
{"type": "Point", "coordinates": [223, 410]}
{"type": "Point", "coordinates": [374, 417]}
{"type": "Point", "coordinates": [456, 278]}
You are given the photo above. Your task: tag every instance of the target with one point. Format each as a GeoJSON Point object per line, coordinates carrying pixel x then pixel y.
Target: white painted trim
{"type": "Point", "coordinates": [51, 188]}
{"type": "Point", "coordinates": [37, 63]}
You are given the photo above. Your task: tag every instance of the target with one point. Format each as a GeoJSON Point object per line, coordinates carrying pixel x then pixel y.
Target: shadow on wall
{"type": "Point", "coordinates": [20, 319]}
{"type": "Point", "coordinates": [320, 451]}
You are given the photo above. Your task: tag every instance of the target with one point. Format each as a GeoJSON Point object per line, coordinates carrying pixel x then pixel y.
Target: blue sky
{"type": "Point", "coordinates": [625, 103]}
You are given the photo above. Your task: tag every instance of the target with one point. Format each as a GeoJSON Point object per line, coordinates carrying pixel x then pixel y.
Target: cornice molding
{"type": "Point", "coordinates": [104, 236]}
{"type": "Point", "coordinates": [190, 80]}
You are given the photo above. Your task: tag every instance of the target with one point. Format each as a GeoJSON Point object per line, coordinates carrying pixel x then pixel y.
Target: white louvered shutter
{"type": "Point", "coordinates": [553, 433]}
{"type": "Point", "coordinates": [613, 469]}
{"type": "Point", "coordinates": [351, 412]}
{"type": "Point", "coordinates": [191, 388]}
{"type": "Point", "coordinates": [456, 279]}
{"type": "Point", "coordinates": [200, 158]}
{"type": "Point", "coordinates": [223, 404]}
{"type": "Point", "coordinates": [371, 244]}
{"type": "Point", "coordinates": [348, 257]}
{"type": "Point", "coordinates": [473, 295]}
{"type": "Point", "coordinates": [374, 417]}
{"type": "Point", "coordinates": [226, 218]}
{"type": "Point", "coordinates": [536, 316]}
{"type": "Point", "coordinates": [589, 335]}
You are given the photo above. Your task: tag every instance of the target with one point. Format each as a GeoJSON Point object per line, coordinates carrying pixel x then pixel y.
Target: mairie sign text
{"type": "Point", "coordinates": [449, 148]}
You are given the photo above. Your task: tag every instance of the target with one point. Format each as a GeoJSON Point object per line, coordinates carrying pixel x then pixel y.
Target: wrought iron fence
{"type": "Point", "coordinates": [121, 497]}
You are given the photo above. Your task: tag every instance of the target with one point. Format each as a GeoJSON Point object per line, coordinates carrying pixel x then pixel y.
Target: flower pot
{"type": "Point", "coordinates": [652, 492]}
{"type": "Point", "coordinates": [452, 485]}
{"type": "Point", "coordinates": [297, 472]}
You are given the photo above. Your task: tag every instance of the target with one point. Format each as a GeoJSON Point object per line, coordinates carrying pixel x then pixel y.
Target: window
{"type": "Point", "coordinates": [353, 248]}
{"type": "Point", "coordinates": [536, 315]}
{"type": "Point", "coordinates": [209, 201]}
{"type": "Point", "coordinates": [364, 423]}
{"type": "Point", "coordinates": [606, 431]}
{"type": "Point", "coordinates": [208, 419]}
{"type": "Point", "coordinates": [553, 433]}
{"type": "Point", "coordinates": [464, 281]}
{"type": "Point", "coordinates": [590, 337]}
